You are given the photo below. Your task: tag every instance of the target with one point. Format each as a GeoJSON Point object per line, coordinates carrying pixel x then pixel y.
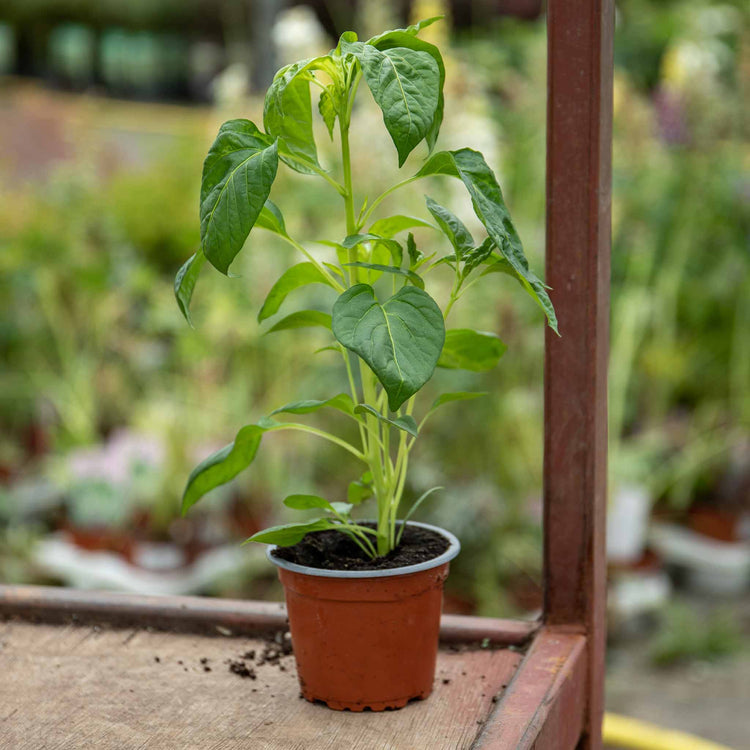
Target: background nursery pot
{"type": "Point", "coordinates": [366, 638]}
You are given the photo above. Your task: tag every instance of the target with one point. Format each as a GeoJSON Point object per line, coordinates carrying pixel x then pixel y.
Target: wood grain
{"type": "Point", "coordinates": [66, 687]}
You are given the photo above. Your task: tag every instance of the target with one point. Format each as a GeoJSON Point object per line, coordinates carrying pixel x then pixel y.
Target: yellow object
{"type": "Point", "coordinates": [623, 732]}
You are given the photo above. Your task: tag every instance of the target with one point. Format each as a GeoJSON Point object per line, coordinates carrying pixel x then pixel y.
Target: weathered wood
{"type": "Point", "coordinates": [579, 128]}
{"type": "Point", "coordinates": [67, 687]}
{"type": "Point", "coordinates": [543, 707]}
{"type": "Point", "coordinates": [190, 614]}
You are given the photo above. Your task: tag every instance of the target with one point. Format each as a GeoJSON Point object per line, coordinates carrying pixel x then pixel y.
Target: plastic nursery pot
{"type": "Point", "coordinates": [366, 638]}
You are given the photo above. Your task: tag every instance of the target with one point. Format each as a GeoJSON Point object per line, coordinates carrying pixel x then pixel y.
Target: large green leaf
{"type": "Point", "coordinates": [405, 84]}
{"type": "Point", "coordinates": [391, 225]}
{"type": "Point", "coordinates": [466, 349]}
{"type": "Point", "coordinates": [290, 533]}
{"type": "Point", "coordinates": [185, 281]}
{"type": "Point", "coordinates": [237, 177]}
{"type": "Point", "coordinates": [487, 199]}
{"type": "Point", "coordinates": [293, 278]}
{"type": "Point", "coordinates": [406, 423]}
{"type": "Point", "coordinates": [400, 340]}
{"type": "Point", "coordinates": [222, 466]}
{"type": "Point", "coordinates": [407, 38]}
{"type": "Point", "coordinates": [287, 115]}
{"type": "Point", "coordinates": [453, 228]}
{"type": "Point", "coordinates": [343, 402]}
{"type": "Point", "coordinates": [302, 319]}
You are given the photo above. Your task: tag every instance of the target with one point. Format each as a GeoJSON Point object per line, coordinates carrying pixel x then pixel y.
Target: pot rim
{"type": "Point", "coordinates": [454, 547]}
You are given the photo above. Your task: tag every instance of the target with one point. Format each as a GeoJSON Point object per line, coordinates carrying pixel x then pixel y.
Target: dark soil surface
{"type": "Point", "coordinates": [332, 550]}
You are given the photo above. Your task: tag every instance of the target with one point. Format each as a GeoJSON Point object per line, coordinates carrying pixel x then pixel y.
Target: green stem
{"type": "Point", "coordinates": [380, 199]}
{"type": "Point", "coordinates": [320, 433]}
{"type": "Point", "coordinates": [335, 284]}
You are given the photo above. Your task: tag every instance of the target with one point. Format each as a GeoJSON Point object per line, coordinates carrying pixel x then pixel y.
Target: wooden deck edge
{"type": "Point", "coordinates": [543, 707]}
{"type": "Point", "coordinates": [192, 614]}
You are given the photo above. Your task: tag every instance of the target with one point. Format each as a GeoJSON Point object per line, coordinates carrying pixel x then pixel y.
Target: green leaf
{"type": "Point", "coordinates": [222, 466]}
{"type": "Point", "coordinates": [466, 349]}
{"type": "Point", "coordinates": [487, 199]}
{"type": "Point", "coordinates": [185, 280]}
{"type": "Point", "coordinates": [393, 247]}
{"type": "Point", "coordinates": [405, 84]}
{"type": "Point", "coordinates": [416, 256]}
{"type": "Point", "coordinates": [302, 319]}
{"type": "Point", "coordinates": [293, 278]}
{"type": "Point", "coordinates": [327, 108]}
{"type": "Point", "coordinates": [413, 277]}
{"type": "Point", "coordinates": [359, 491]}
{"type": "Point", "coordinates": [413, 509]}
{"type": "Point", "coordinates": [477, 255]}
{"type": "Point", "coordinates": [306, 502]}
{"type": "Point", "coordinates": [343, 402]}
{"type": "Point", "coordinates": [270, 218]}
{"type": "Point", "coordinates": [237, 177]}
{"type": "Point", "coordinates": [400, 340]}
{"type": "Point", "coordinates": [287, 115]}
{"type": "Point", "coordinates": [290, 533]}
{"type": "Point", "coordinates": [453, 228]}
{"type": "Point", "coordinates": [343, 509]}
{"type": "Point", "coordinates": [447, 398]}
{"type": "Point", "coordinates": [405, 423]}
{"type": "Point", "coordinates": [407, 38]}
{"type": "Point", "coordinates": [391, 225]}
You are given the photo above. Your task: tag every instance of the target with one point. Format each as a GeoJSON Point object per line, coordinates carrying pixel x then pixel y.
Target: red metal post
{"type": "Point", "coordinates": [579, 135]}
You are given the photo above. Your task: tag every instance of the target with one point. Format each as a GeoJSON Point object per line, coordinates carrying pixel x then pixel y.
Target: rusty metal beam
{"type": "Point", "coordinates": [192, 614]}
{"type": "Point", "coordinates": [579, 135]}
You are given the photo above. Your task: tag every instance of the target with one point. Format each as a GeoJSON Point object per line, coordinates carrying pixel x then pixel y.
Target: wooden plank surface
{"type": "Point", "coordinates": [66, 687]}
{"type": "Point", "coordinates": [543, 707]}
{"type": "Point", "coordinates": [579, 141]}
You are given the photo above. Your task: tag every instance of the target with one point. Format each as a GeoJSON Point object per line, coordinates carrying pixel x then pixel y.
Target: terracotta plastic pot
{"type": "Point", "coordinates": [366, 639]}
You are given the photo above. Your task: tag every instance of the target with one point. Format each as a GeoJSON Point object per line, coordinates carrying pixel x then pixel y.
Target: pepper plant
{"type": "Point", "coordinates": [388, 330]}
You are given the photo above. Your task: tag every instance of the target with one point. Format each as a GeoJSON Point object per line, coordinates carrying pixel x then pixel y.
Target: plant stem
{"type": "Point", "coordinates": [381, 198]}
{"type": "Point", "coordinates": [318, 265]}
{"type": "Point", "coordinates": [320, 433]}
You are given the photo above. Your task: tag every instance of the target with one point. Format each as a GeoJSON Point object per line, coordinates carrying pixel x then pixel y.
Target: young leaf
{"type": "Point", "coordinates": [405, 84]}
{"type": "Point", "coordinates": [270, 218]}
{"type": "Point", "coordinates": [290, 533]}
{"type": "Point", "coordinates": [293, 278]}
{"type": "Point", "coordinates": [302, 319]}
{"type": "Point", "coordinates": [407, 38]}
{"type": "Point", "coordinates": [487, 199]}
{"type": "Point", "coordinates": [287, 115]}
{"type": "Point", "coordinates": [413, 509]}
{"type": "Point", "coordinates": [306, 502]}
{"type": "Point", "coordinates": [405, 423]}
{"type": "Point", "coordinates": [391, 225]}
{"type": "Point", "coordinates": [327, 108]}
{"type": "Point", "coordinates": [343, 402]}
{"type": "Point", "coordinates": [477, 255]}
{"type": "Point", "coordinates": [393, 247]}
{"type": "Point", "coordinates": [358, 491]}
{"type": "Point", "coordinates": [466, 349]}
{"type": "Point", "coordinates": [400, 340]}
{"type": "Point", "coordinates": [413, 277]}
{"type": "Point", "coordinates": [453, 228]}
{"type": "Point", "coordinates": [416, 256]}
{"type": "Point", "coordinates": [222, 466]}
{"type": "Point", "coordinates": [343, 509]}
{"type": "Point", "coordinates": [447, 398]}
{"type": "Point", "coordinates": [237, 177]}
{"type": "Point", "coordinates": [185, 281]}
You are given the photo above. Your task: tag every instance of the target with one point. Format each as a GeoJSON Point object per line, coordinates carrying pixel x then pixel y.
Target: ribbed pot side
{"type": "Point", "coordinates": [366, 642]}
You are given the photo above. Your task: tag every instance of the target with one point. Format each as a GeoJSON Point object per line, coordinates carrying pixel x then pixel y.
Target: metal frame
{"type": "Point", "coordinates": [555, 700]}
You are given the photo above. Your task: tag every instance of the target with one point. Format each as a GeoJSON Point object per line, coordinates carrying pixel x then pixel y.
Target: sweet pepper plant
{"type": "Point", "coordinates": [390, 338]}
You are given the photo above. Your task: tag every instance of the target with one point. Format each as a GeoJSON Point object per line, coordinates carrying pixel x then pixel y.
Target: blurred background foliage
{"type": "Point", "coordinates": [107, 397]}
